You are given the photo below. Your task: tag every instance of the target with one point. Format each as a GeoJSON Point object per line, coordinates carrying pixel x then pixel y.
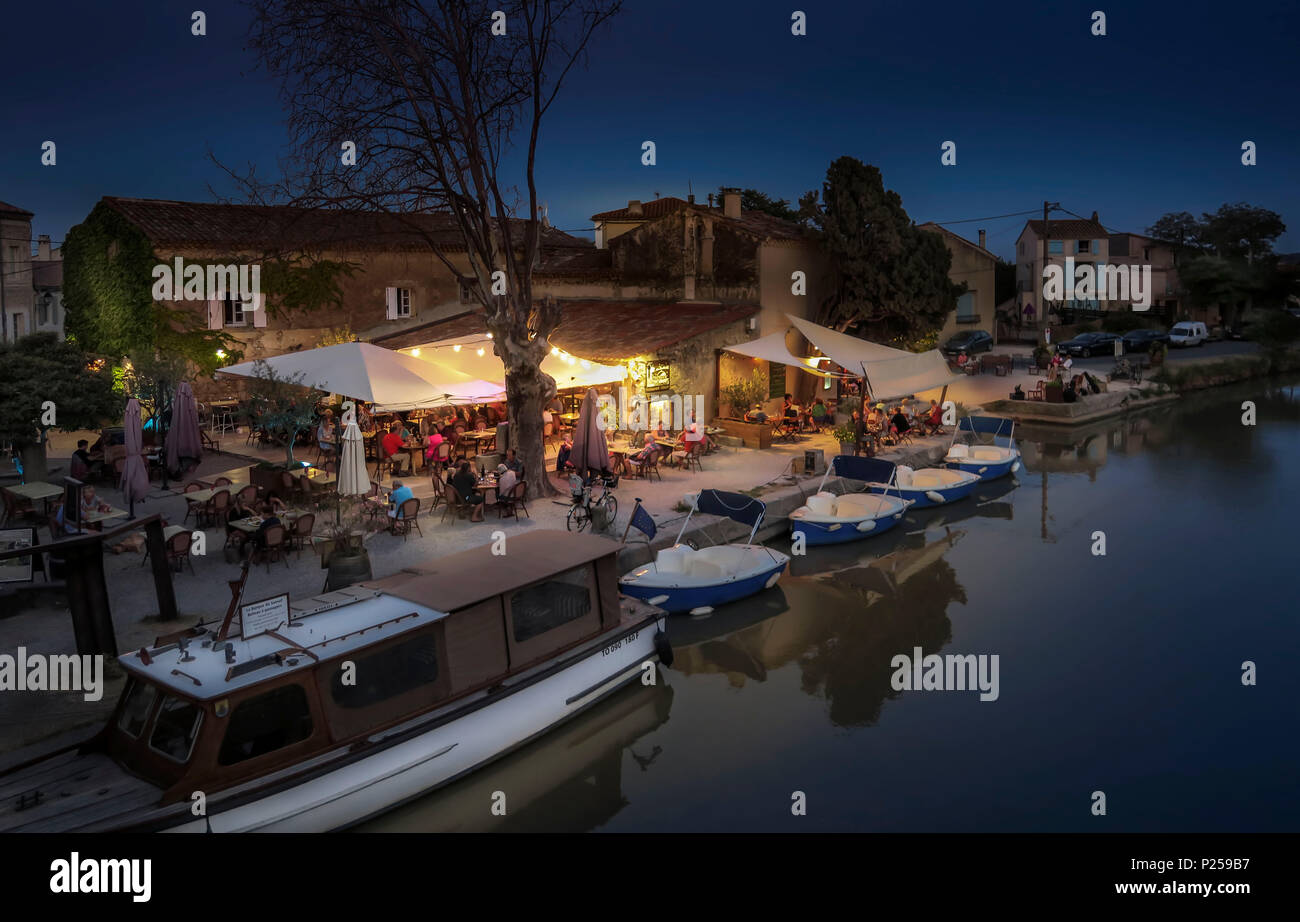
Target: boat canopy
{"type": "Point", "coordinates": [870, 470]}
{"type": "Point", "coordinates": [996, 426]}
{"type": "Point", "coordinates": [736, 506]}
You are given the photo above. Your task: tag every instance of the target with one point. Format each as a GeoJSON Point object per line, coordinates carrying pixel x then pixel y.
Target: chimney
{"type": "Point", "coordinates": [731, 202]}
{"type": "Point", "coordinates": [1095, 218]}
{"type": "Point", "coordinates": [982, 240]}
{"type": "Point", "coordinates": [690, 199]}
{"type": "Point", "coordinates": [634, 207]}
{"type": "Point", "coordinates": [706, 250]}
{"type": "Point", "coordinates": [43, 246]}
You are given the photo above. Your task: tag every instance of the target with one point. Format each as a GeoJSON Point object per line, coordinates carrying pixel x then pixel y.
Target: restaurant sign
{"type": "Point", "coordinates": [263, 615]}
{"type": "Point", "coordinates": [657, 376]}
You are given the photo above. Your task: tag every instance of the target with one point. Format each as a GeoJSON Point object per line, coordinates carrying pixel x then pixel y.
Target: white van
{"type": "Point", "coordinates": [1188, 333]}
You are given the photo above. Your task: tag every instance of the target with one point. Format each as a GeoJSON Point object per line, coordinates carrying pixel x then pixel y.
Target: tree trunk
{"type": "Point", "coordinates": [32, 455]}
{"type": "Point", "coordinates": [528, 390]}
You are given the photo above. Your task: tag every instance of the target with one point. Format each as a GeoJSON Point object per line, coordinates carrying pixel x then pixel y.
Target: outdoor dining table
{"type": "Point", "coordinates": [486, 485]}
{"type": "Point", "coordinates": [34, 491]}
{"type": "Point", "coordinates": [202, 496]}
{"type": "Point", "coordinates": [94, 518]}
{"type": "Point", "coordinates": [250, 525]}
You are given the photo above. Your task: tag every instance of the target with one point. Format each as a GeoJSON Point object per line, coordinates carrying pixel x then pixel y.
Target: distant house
{"type": "Point", "coordinates": [31, 290]}
{"type": "Point", "coordinates": [1043, 244]}
{"type": "Point", "coordinates": [977, 267]}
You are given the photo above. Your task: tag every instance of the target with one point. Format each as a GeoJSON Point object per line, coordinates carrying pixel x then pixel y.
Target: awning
{"type": "Point", "coordinates": [568, 371]}
{"type": "Point", "coordinates": [772, 348]}
{"type": "Point", "coordinates": [889, 372]}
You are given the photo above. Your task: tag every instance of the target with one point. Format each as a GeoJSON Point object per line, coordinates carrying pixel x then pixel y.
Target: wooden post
{"type": "Point", "coordinates": [162, 576]}
{"type": "Point", "coordinates": [76, 577]}
{"type": "Point", "coordinates": [92, 618]}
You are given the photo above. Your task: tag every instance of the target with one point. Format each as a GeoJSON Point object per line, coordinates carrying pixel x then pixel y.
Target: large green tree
{"type": "Point", "coordinates": [1226, 258]}
{"type": "Point", "coordinates": [755, 200]}
{"type": "Point", "coordinates": [892, 280]}
{"type": "Point", "coordinates": [51, 384]}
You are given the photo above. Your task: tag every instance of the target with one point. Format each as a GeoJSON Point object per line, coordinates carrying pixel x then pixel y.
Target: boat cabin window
{"type": "Point", "coordinates": [176, 728]}
{"type": "Point", "coordinates": [136, 705]}
{"type": "Point", "coordinates": [544, 606]}
{"type": "Point", "coordinates": [265, 723]}
{"type": "Point", "coordinates": [376, 687]}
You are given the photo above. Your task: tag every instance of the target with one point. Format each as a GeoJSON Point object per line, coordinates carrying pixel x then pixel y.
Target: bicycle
{"type": "Point", "coordinates": [600, 512]}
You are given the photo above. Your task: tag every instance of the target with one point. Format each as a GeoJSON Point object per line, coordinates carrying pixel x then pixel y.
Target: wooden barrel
{"type": "Point", "coordinates": [347, 569]}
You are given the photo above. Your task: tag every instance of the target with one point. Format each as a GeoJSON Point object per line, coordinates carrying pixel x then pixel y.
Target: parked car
{"type": "Point", "coordinates": [969, 342]}
{"type": "Point", "coordinates": [1089, 344]}
{"type": "Point", "coordinates": [1141, 340]}
{"type": "Point", "coordinates": [1188, 333]}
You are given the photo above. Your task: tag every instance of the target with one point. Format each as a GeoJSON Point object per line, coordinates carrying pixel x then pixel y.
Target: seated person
{"type": "Point", "coordinates": [818, 412]}
{"type": "Point", "coordinates": [395, 448]}
{"type": "Point", "coordinates": [690, 438]}
{"type": "Point", "coordinates": [756, 415]}
{"type": "Point", "coordinates": [507, 480]}
{"type": "Point", "coordinates": [89, 504]}
{"type": "Point", "coordinates": [899, 422]}
{"type": "Point", "coordinates": [269, 519]}
{"type": "Point", "coordinates": [82, 466]}
{"type": "Point", "coordinates": [465, 483]}
{"type": "Point", "coordinates": [790, 410]}
{"type": "Point", "coordinates": [431, 444]}
{"type": "Point", "coordinates": [562, 456]}
{"type": "Point", "coordinates": [660, 432]}
{"type": "Point", "coordinates": [513, 462]}
{"type": "Point", "coordinates": [401, 493]}
{"type": "Point", "coordinates": [935, 419]}
{"type": "Point", "coordinates": [405, 430]}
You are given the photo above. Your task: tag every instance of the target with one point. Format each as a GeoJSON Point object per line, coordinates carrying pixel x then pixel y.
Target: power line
{"type": "Point", "coordinates": [1014, 214]}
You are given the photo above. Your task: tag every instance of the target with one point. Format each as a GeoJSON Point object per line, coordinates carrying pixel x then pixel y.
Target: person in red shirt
{"type": "Point", "coordinates": [395, 448]}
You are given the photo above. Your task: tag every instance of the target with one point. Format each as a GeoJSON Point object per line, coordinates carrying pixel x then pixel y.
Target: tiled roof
{"type": "Point", "coordinates": [600, 330]}
{"type": "Point", "coordinates": [655, 208]}
{"type": "Point", "coordinates": [6, 208]}
{"type": "Point", "coordinates": [280, 227]}
{"type": "Point", "coordinates": [1070, 229]}
{"type": "Point", "coordinates": [577, 260]}
{"type": "Point", "coordinates": [931, 226]}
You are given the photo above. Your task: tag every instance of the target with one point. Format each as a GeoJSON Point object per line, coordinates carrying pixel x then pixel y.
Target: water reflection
{"type": "Point", "coordinates": [570, 780]}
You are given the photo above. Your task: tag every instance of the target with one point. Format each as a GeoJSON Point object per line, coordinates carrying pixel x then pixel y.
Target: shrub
{"type": "Point", "coordinates": [845, 435]}
{"type": "Point", "coordinates": [745, 392]}
{"type": "Point", "coordinates": [1122, 321]}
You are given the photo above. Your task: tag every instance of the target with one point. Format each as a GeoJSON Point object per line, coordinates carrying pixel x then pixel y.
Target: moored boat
{"type": "Point", "coordinates": [355, 702]}
{"type": "Point", "coordinates": [682, 579]}
{"type": "Point", "coordinates": [830, 519]}
{"type": "Point", "coordinates": [984, 445]}
{"type": "Point", "coordinates": [926, 487]}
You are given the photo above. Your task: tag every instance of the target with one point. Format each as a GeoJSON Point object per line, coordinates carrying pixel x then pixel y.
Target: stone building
{"type": "Point", "coordinates": [30, 286]}
{"type": "Point", "coordinates": [977, 268]}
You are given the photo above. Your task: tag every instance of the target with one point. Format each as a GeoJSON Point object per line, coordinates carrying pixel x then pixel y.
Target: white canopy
{"type": "Point", "coordinates": [567, 370]}
{"type": "Point", "coordinates": [772, 348]}
{"type": "Point", "coordinates": [890, 372]}
{"type": "Point", "coordinates": [362, 371]}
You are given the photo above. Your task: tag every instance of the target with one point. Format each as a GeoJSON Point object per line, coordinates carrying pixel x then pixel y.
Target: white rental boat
{"type": "Point", "coordinates": [984, 445]}
{"type": "Point", "coordinates": [830, 519]}
{"type": "Point", "coordinates": [355, 702]}
{"type": "Point", "coordinates": [682, 578]}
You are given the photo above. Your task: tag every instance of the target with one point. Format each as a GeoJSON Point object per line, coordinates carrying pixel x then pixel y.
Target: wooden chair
{"type": "Point", "coordinates": [191, 506]}
{"type": "Point", "coordinates": [248, 496]}
{"type": "Point", "coordinates": [652, 466]}
{"type": "Point", "coordinates": [1037, 392]}
{"type": "Point", "coordinates": [215, 510]}
{"type": "Point", "coordinates": [18, 509]}
{"type": "Point", "coordinates": [694, 451]}
{"type": "Point", "coordinates": [178, 551]}
{"type": "Point", "coordinates": [222, 482]}
{"type": "Point", "coordinates": [457, 508]}
{"type": "Point", "coordinates": [407, 516]}
{"type": "Point", "coordinates": [272, 545]}
{"type": "Point", "coordinates": [288, 489]}
{"type": "Point", "coordinates": [302, 529]}
{"type": "Point", "coordinates": [515, 503]}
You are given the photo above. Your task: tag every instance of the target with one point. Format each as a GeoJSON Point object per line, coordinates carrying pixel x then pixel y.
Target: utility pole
{"type": "Point", "coordinates": [1047, 234]}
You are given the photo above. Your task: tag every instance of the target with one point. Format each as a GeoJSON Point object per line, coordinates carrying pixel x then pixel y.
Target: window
{"type": "Point", "coordinates": [136, 704]}
{"type": "Point", "coordinates": [403, 302]}
{"type": "Point", "coordinates": [966, 307]}
{"type": "Point", "coordinates": [1056, 246]}
{"type": "Point", "coordinates": [266, 723]}
{"type": "Point", "coordinates": [388, 673]}
{"type": "Point", "coordinates": [1083, 246]}
{"type": "Point", "coordinates": [467, 291]}
{"type": "Point", "coordinates": [13, 257]}
{"type": "Point", "coordinates": [550, 604]}
{"type": "Point", "coordinates": [176, 728]}
{"type": "Point", "coordinates": [234, 311]}
{"type": "Point", "coordinates": [1146, 254]}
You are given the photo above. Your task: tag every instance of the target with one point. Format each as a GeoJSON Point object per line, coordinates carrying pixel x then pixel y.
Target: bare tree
{"type": "Point", "coordinates": [443, 101]}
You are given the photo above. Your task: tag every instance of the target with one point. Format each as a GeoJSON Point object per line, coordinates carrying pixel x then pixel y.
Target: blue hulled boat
{"type": "Point", "coordinates": [831, 519]}
{"type": "Point", "coordinates": [984, 445]}
{"type": "Point", "coordinates": [682, 578]}
{"type": "Point", "coordinates": [929, 486]}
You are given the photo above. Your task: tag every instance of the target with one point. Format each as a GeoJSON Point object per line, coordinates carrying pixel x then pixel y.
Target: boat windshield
{"type": "Point", "coordinates": [176, 728]}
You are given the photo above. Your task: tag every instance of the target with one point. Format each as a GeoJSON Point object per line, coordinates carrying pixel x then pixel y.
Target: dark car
{"type": "Point", "coordinates": [969, 342]}
{"type": "Point", "coordinates": [1088, 344]}
{"type": "Point", "coordinates": [1141, 340]}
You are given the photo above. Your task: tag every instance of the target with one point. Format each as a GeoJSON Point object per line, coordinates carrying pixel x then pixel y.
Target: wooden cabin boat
{"type": "Point", "coordinates": [361, 700]}
{"type": "Point", "coordinates": [829, 519]}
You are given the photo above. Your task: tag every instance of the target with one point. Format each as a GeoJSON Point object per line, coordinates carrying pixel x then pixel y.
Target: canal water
{"type": "Point", "coordinates": [1118, 673]}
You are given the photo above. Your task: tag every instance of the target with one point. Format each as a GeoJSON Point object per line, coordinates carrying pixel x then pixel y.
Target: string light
{"type": "Point", "coordinates": [482, 352]}
{"type": "Point", "coordinates": [456, 348]}
{"type": "Point", "coordinates": [416, 353]}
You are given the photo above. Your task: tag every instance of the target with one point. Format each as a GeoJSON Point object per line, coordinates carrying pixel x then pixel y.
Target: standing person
{"type": "Point", "coordinates": [465, 483]}
{"type": "Point", "coordinates": [859, 432]}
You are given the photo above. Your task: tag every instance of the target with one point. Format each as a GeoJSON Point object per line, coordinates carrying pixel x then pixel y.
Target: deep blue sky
{"type": "Point", "coordinates": [1146, 120]}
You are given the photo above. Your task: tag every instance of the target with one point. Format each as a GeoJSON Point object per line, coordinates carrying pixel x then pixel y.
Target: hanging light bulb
{"type": "Point", "coordinates": [415, 353]}
{"type": "Point", "coordinates": [555, 350]}
{"type": "Point", "coordinates": [482, 352]}
{"type": "Point", "coordinates": [456, 348]}
{"type": "Point", "coordinates": [489, 336]}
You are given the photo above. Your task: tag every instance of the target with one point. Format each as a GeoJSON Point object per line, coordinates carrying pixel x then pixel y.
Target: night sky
{"type": "Point", "coordinates": [1148, 119]}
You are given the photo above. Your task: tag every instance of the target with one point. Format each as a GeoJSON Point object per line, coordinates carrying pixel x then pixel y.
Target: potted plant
{"type": "Point", "coordinates": [744, 393]}
{"type": "Point", "coordinates": [848, 439]}
{"type": "Point", "coordinates": [1054, 392]}
{"type": "Point", "coordinates": [342, 552]}
{"type": "Point", "coordinates": [282, 407]}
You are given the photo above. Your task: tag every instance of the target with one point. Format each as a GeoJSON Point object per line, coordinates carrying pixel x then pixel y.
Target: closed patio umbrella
{"type": "Point", "coordinates": [183, 439]}
{"type": "Point", "coordinates": [135, 477]}
{"type": "Point", "coordinates": [353, 477]}
{"type": "Point", "coordinates": [589, 448]}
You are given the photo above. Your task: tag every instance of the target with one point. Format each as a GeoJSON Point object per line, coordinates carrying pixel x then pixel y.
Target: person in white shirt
{"type": "Point", "coordinates": [506, 482]}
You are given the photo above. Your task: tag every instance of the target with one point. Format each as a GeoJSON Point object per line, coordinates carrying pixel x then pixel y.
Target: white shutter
{"type": "Point", "coordinates": [216, 314]}
{"type": "Point", "coordinates": [259, 310]}
{"type": "Point", "coordinates": [390, 301]}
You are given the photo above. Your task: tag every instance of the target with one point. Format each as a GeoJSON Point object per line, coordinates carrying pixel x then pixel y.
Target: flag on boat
{"type": "Point", "coordinates": [642, 522]}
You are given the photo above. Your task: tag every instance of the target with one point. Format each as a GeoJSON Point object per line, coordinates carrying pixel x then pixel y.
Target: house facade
{"type": "Point", "coordinates": [1128, 249]}
{"type": "Point", "coordinates": [1051, 243]}
{"type": "Point", "coordinates": [977, 268]}
{"type": "Point", "coordinates": [31, 287]}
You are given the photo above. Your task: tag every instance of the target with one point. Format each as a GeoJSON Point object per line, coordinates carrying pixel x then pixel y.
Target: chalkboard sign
{"type": "Point", "coordinates": [775, 380]}
{"type": "Point", "coordinates": [17, 569]}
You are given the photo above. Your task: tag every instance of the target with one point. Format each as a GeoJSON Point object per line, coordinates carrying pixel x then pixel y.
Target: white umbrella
{"type": "Point", "coordinates": [353, 478]}
{"type": "Point", "coordinates": [134, 482]}
{"type": "Point", "coordinates": [363, 371]}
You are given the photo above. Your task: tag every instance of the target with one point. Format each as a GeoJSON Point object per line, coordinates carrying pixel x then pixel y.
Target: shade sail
{"type": "Point", "coordinates": [390, 380]}
{"type": "Point", "coordinates": [580, 373]}
{"type": "Point", "coordinates": [890, 372]}
{"type": "Point", "coordinates": [772, 348]}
